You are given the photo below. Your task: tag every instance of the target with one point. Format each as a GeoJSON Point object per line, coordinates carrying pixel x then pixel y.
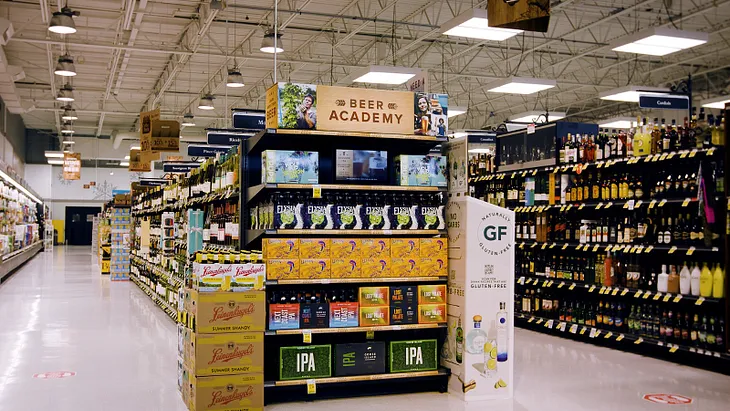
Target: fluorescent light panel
{"type": "Point", "coordinates": [456, 111]}
{"type": "Point", "coordinates": [630, 93]}
{"type": "Point", "coordinates": [386, 75]}
{"type": "Point", "coordinates": [124, 164]}
{"type": "Point", "coordinates": [54, 154]}
{"type": "Point", "coordinates": [474, 24]}
{"type": "Point", "coordinates": [19, 187]}
{"type": "Point", "coordinates": [658, 41]}
{"type": "Point", "coordinates": [718, 102]}
{"type": "Point", "coordinates": [55, 162]}
{"type": "Point", "coordinates": [522, 85]}
{"type": "Point", "coordinates": [536, 117]}
{"type": "Point", "coordinates": [618, 122]}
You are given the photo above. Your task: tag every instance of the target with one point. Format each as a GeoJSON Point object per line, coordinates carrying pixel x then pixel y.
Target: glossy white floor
{"type": "Point", "coordinates": [58, 314]}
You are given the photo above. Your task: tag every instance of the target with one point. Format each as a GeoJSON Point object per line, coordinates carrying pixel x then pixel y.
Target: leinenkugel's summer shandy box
{"type": "Point", "coordinates": [222, 354]}
{"type": "Point", "coordinates": [224, 312]}
{"type": "Point", "coordinates": [241, 392]}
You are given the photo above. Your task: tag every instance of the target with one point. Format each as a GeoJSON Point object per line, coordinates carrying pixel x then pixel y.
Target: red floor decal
{"type": "Point", "coordinates": [54, 374]}
{"type": "Point", "coordinates": [669, 399]}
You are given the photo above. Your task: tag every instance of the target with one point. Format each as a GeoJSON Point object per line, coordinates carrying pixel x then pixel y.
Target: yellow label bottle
{"type": "Point", "coordinates": [718, 283]}
{"type": "Point", "coordinates": [705, 282]}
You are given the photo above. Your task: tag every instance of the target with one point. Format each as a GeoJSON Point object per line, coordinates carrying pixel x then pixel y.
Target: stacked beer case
{"type": "Point", "coordinates": [221, 340]}
{"type": "Point", "coordinates": [120, 231]}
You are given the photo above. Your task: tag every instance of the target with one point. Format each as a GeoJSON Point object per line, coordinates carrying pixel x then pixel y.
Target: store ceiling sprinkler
{"type": "Point", "coordinates": [522, 85]}
{"type": "Point", "coordinates": [267, 44]}
{"type": "Point", "coordinates": [69, 114]}
{"type": "Point", "coordinates": [188, 120]}
{"type": "Point", "coordinates": [65, 94]}
{"type": "Point", "coordinates": [235, 79]}
{"type": "Point", "coordinates": [659, 41]}
{"type": "Point", "coordinates": [65, 66]}
{"type": "Point", "coordinates": [62, 21]}
{"type": "Point", "coordinates": [206, 102]}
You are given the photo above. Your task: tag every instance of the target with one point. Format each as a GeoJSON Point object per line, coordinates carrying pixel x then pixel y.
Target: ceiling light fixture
{"type": "Point", "coordinates": [55, 162]}
{"type": "Point", "coordinates": [618, 122]}
{"type": "Point", "coordinates": [385, 75]}
{"type": "Point", "coordinates": [18, 186]}
{"type": "Point", "coordinates": [267, 44]}
{"type": "Point", "coordinates": [188, 120]}
{"type": "Point", "coordinates": [718, 102]}
{"type": "Point", "coordinates": [124, 164]}
{"type": "Point", "coordinates": [454, 111]}
{"type": "Point", "coordinates": [206, 102]}
{"type": "Point", "coordinates": [522, 85]}
{"type": "Point", "coordinates": [135, 148]}
{"type": "Point", "coordinates": [65, 94]}
{"type": "Point", "coordinates": [62, 21]}
{"type": "Point", "coordinates": [630, 93]}
{"type": "Point", "coordinates": [659, 41]}
{"type": "Point", "coordinates": [68, 128]}
{"type": "Point", "coordinates": [126, 157]}
{"type": "Point", "coordinates": [65, 66]}
{"type": "Point", "coordinates": [69, 114]}
{"type": "Point", "coordinates": [69, 142]}
{"type": "Point", "coordinates": [536, 117]}
{"type": "Point", "coordinates": [53, 154]}
{"type": "Point", "coordinates": [235, 79]}
{"type": "Point", "coordinates": [474, 24]}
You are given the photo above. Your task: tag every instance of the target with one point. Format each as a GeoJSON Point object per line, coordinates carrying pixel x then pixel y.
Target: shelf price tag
{"type": "Point", "coordinates": [562, 283]}
{"type": "Point", "coordinates": [686, 202]}
{"type": "Point", "coordinates": [624, 292]}
{"type": "Point", "coordinates": [307, 337]}
{"type": "Point", "coordinates": [370, 335]}
{"type": "Point", "coordinates": [652, 204]}
{"type": "Point", "coordinates": [691, 250]}
{"type": "Point", "coordinates": [581, 206]}
{"type": "Point", "coordinates": [663, 157]}
{"type": "Point", "coordinates": [593, 287]}
{"type": "Point", "coordinates": [521, 281]}
{"type": "Point", "coordinates": [648, 249]}
{"type": "Point", "coordinates": [577, 248]}
{"type": "Point", "coordinates": [552, 245]}
{"type": "Point", "coordinates": [620, 337]}
{"type": "Point", "coordinates": [522, 245]}
{"type": "Point", "coordinates": [572, 286]}
{"type": "Point", "coordinates": [674, 349]}
{"type": "Point", "coordinates": [661, 203]}
{"type": "Point", "coordinates": [667, 297]}
{"type": "Point", "coordinates": [608, 335]}
{"type": "Point", "coordinates": [561, 327]}
{"type": "Point", "coordinates": [601, 291]}
{"type": "Point", "coordinates": [596, 333]}
{"type": "Point", "coordinates": [549, 324]}
{"type": "Point", "coordinates": [531, 319]}
{"type": "Point", "coordinates": [700, 301]}
{"type": "Point", "coordinates": [693, 153]}
{"type": "Point", "coordinates": [608, 205]}
{"type": "Point", "coordinates": [311, 386]}
{"type": "Point", "coordinates": [638, 294]}
{"type": "Point", "coordinates": [550, 284]}
{"type": "Point", "coordinates": [677, 298]}
{"type": "Point", "coordinates": [544, 246]}
{"type": "Point", "coordinates": [683, 154]}
{"type": "Point", "coordinates": [544, 283]}
{"type": "Point", "coordinates": [657, 296]}
{"type": "Point", "coordinates": [638, 204]}
{"type": "Point", "coordinates": [615, 291]}
{"type": "Point", "coordinates": [646, 295]}
{"type": "Point", "coordinates": [673, 249]}
{"type": "Point", "coordinates": [639, 341]}
{"type": "Point", "coordinates": [565, 246]}
{"type": "Point", "coordinates": [533, 245]}
{"type": "Point", "coordinates": [598, 206]}
{"type": "Point", "coordinates": [573, 328]}
{"type": "Point", "coordinates": [583, 330]}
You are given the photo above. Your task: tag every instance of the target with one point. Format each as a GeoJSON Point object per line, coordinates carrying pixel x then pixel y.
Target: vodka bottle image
{"type": "Point", "coordinates": [476, 337]}
{"type": "Point", "coordinates": [502, 333]}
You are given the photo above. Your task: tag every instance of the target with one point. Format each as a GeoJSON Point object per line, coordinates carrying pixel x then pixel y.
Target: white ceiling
{"type": "Point", "coordinates": [132, 55]}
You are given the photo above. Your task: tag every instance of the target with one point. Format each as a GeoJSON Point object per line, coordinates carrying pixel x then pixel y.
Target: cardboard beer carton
{"type": "Point", "coordinates": [374, 296]}
{"type": "Point", "coordinates": [374, 316]}
{"type": "Point", "coordinates": [315, 268]}
{"type": "Point", "coordinates": [403, 314]}
{"type": "Point", "coordinates": [224, 312]}
{"type": "Point", "coordinates": [281, 248]}
{"type": "Point", "coordinates": [405, 247]}
{"type": "Point", "coordinates": [376, 267]}
{"type": "Point", "coordinates": [434, 267]}
{"type": "Point", "coordinates": [434, 247]}
{"type": "Point", "coordinates": [346, 268]}
{"type": "Point", "coordinates": [282, 269]}
{"type": "Point", "coordinates": [344, 315]}
{"type": "Point", "coordinates": [405, 267]}
{"type": "Point", "coordinates": [314, 248]}
{"type": "Point", "coordinates": [431, 313]}
{"type": "Point", "coordinates": [432, 294]}
{"type": "Point", "coordinates": [222, 354]}
{"type": "Point", "coordinates": [375, 247]}
{"type": "Point", "coordinates": [346, 248]}
{"type": "Point", "coordinates": [213, 277]}
{"type": "Point", "coordinates": [240, 392]}
{"type": "Point", "coordinates": [248, 277]}
{"type": "Point", "coordinates": [403, 294]}
{"type": "Point", "coordinates": [284, 316]}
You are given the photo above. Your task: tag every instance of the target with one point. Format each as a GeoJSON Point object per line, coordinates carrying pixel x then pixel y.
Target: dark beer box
{"type": "Point", "coordinates": [360, 358]}
{"type": "Point", "coordinates": [403, 294]}
{"type": "Point", "coordinates": [313, 315]}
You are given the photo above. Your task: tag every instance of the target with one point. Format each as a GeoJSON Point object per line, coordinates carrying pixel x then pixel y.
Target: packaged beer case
{"type": "Point", "coordinates": [315, 268]}
{"type": "Point", "coordinates": [375, 247]}
{"type": "Point", "coordinates": [376, 267]}
{"type": "Point", "coordinates": [346, 268]}
{"type": "Point", "coordinates": [345, 248]}
{"type": "Point", "coordinates": [314, 248]}
{"type": "Point", "coordinates": [282, 269]}
{"type": "Point", "coordinates": [405, 247]}
{"type": "Point", "coordinates": [281, 248]}
{"type": "Point", "coordinates": [405, 267]}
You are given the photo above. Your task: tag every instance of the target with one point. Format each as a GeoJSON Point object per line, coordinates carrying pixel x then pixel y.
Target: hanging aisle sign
{"type": "Point", "coordinates": [179, 167]}
{"type": "Point", "coordinates": [137, 163]}
{"type": "Point", "coordinates": [226, 138]}
{"type": "Point", "coordinates": [153, 182]}
{"type": "Point", "coordinates": [202, 150]}
{"type": "Point", "coordinates": [72, 166]}
{"type": "Point", "coordinates": [156, 134]}
{"type": "Point", "coordinates": [664, 101]}
{"type": "Point", "coordinates": [249, 120]}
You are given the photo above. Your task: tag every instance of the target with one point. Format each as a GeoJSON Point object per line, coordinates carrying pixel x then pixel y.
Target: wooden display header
{"type": "Point", "coordinates": [345, 109]}
{"type": "Point", "coordinates": [156, 134]}
{"type": "Point", "coordinates": [528, 15]}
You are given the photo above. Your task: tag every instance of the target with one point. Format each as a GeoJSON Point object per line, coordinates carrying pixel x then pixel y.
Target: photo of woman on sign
{"type": "Point", "coordinates": [422, 114]}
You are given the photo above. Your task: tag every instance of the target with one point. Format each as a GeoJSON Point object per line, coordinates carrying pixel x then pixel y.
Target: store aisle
{"type": "Point", "coordinates": [58, 314]}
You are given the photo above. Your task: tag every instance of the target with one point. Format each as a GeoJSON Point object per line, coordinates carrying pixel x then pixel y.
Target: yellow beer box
{"type": "Point", "coordinates": [434, 267]}
{"type": "Point", "coordinates": [281, 247]}
{"type": "Point", "coordinates": [431, 313]}
{"type": "Point", "coordinates": [373, 296]}
{"type": "Point", "coordinates": [374, 316]}
{"type": "Point", "coordinates": [434, 247]}
{"type": "Point", "coordinates": [248, 277]}
{"type": "Point", "coordinates": [432, 294]}
{"type": "Point", "coordinates": [315, 268]}
{"type": "Point", "coordinates": [314, 248]}
{"type": "Point", "coordinates": [221, 354]}
{"type": "Point", "coordinates": [405, 267]}
{"type": "Point", "coordinates": [225, 312]}
{"type": "Point", "coordinates": [405, 247]}
{"type": "Point", "coordinates": [345, 248]}
{"type": "Point", "coordinates": [346, 268]}
{"type": "Point", "coordinates": [282, 269]}
{"type": "Point", "coordinates": [240, 392]}
{"type": "Point", "coordinates": [375, 247]}
{"type": "Point", "coordinates": [376, 267]}
{"type": "Point", "coordinates": [214, 277]}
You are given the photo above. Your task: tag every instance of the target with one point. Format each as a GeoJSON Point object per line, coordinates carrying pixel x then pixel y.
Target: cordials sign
{"type": "Point", "coordinates": [312, 107]}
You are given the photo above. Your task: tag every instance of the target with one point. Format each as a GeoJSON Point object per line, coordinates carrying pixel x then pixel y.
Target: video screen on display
{"type": "Point", "coordinates": [361, 165]}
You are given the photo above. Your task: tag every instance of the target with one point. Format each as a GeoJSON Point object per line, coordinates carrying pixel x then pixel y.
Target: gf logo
{"type": "Point", "coordinates": [492, 233]}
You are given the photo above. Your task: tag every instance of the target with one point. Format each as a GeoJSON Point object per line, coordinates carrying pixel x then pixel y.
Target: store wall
{"type": "Point", "coordinates": [58, 193]}
{"type": "Point", "coordinates": [12, 139]}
